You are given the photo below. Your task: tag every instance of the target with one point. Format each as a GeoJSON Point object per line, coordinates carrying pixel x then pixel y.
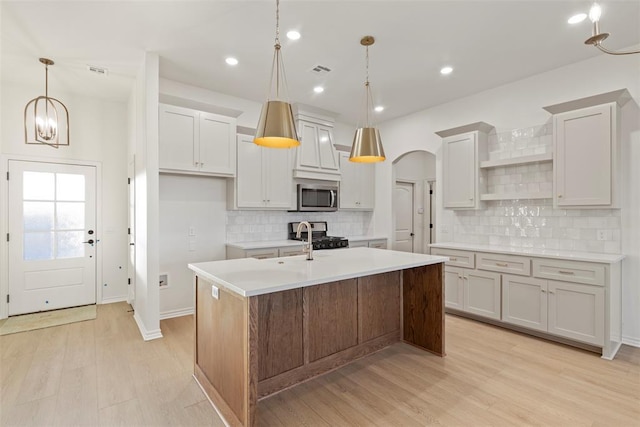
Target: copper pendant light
{"type": "Point", "coordinates": [367, 145]}
{"type": "Point", "coordinates": [276, 127]}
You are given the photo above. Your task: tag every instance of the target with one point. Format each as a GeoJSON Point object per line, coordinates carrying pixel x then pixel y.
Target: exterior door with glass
{"type": "Point", "coordinates": [52, 236]}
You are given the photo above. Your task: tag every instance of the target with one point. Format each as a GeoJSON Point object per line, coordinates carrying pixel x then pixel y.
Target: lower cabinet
{"type": "Point", "coordinates": [583, 305]}
{"type": "Point", "coordinates": [564, 309]}
{"type": "Point", "coordinates": [482, 293]}
{"type": "Point", "coordinates": [576, 311]}
{"type": "Point", "coordinates": [376, 243]}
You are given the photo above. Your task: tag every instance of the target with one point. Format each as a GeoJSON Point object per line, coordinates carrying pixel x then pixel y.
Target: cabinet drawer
{"type": "Point", "coordinates": [511, 264]}
{"type": "Point", "coordinates": [570, 271]}
{"type": "Point", "coordinates": [379, 244]}
{"type": "Point", "coordinates": [292, 251]}
{"type": "Point", "coordinates": [262, 253]}
{"type": "Point", "coordinates": [456, 258]}
{"type": "Point", "coordinates": [358, 244]}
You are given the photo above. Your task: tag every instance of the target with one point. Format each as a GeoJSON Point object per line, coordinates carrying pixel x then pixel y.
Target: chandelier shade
{"type": "Point", "coordinates": [276, 126]}
{"type": "Point", "coordinates": [367, 144]}
{"type": "Point", "coordinates": [46, 119]}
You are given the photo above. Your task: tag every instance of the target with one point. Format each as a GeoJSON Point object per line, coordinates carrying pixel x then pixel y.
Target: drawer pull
{"type": "Point", "coordinates": [543, 291]}
{"type": "Point", "coordinates": [453, 259]}
{"type": "Point", "coordinates": [502, 264]}
{"type": "Point", "coordinates": [565, 272]}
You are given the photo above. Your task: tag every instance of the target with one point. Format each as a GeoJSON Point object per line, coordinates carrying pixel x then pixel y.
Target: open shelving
{"type": "Point", "coordinates": [514, 161]}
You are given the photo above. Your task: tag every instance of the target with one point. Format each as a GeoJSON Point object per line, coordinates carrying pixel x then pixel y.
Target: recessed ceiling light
{"type": "Point", "coordinates": [577, 18]}
{"type": "Point", "coordinates": [379, 109]}
{"type": "Point", "coordinates": [231, 61]}
{"type": "Point", "coordinates": [293, 35]}
{"type": "Point", "coordinates": [446, 70]}
{"type": "Point", "coordinates": [318, 89]}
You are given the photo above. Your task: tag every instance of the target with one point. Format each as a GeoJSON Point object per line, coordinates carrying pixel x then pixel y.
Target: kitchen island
{"type": "Point", "coordinates": [266, 325]}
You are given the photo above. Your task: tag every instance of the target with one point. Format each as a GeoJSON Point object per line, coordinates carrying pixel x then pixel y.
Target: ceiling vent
{"type": "Point", "coordinates": [320, 70]}
{"type": "Point", "coordinates": [98, 70]}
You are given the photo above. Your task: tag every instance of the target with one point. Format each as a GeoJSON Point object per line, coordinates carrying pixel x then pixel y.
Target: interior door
{"type": "Point", "coordinates": [403, 207]}
{"type": "Point", "coordinates": [52, 236]}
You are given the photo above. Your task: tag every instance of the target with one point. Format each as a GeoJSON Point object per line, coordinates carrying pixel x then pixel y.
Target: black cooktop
{"type": "Point", "coordinates": [319, 238]}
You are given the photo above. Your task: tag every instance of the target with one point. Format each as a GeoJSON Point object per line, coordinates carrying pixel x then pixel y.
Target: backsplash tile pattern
{"type": "Point", "coordinates": [535, 224]}
{"type": "Point", "coordinates": [525, 223]}
{"type": "Point", "coordinates": [252, 226]}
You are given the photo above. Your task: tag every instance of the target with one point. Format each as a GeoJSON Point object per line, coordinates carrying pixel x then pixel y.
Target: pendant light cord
{"type": "Point", "coordinates": [46, 91]}
{"type": "Point", "coordinates": [277, 47]}
{"type": "Point", "coordinates": [366, 84]}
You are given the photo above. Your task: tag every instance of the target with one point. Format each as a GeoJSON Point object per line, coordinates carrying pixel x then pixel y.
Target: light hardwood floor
{"type": "Point", "coordinates": [100, 372]}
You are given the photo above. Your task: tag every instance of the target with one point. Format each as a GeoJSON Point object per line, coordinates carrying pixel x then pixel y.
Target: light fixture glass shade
{"type": "Point", "coordinates": [367, 146]}
{"type": "Point", "coordinates": [46, 119]}
{"type": "Point", "coordinates": [276, 128]}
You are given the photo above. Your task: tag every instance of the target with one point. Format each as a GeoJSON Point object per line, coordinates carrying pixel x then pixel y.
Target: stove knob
{"type": "Point", "coordinates": [331, 245]}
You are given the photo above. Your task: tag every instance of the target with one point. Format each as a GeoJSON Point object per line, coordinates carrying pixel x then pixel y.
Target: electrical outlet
{"type": "Point", "coordinates": [215, 292]}
{"type": "Point", "coordinates": [192, 231]}
{"type": "Point", "coordinates": [602, 235]}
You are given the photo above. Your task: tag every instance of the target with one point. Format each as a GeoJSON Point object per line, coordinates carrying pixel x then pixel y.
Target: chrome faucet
{"type": "Point", "coordinates": [308, 248]}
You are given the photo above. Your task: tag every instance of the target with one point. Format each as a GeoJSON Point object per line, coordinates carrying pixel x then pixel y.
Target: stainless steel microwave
{"type": "Point", "coordinates": [317, 198]}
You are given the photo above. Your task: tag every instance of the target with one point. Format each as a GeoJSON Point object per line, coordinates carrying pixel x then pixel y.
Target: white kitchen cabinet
{"type": "Point", "coordinates": [316, 157]}
{"type": "Point", "coordinates": [587, 170]}
{"type": "Point", "coordinates": [482, 293]}
{"type": "Point", "coordinates": [378, 244]}
{"type": "Point", "coordinates": [454, 288]}
{"type": "Point", "coordinates": [524, 302]}
{"type": "Point", "coordinates": [264, 179]}
{"type": "Point", "coordinates": [463, 149]}
{"type": "Point", "coordinates": [559, 296]}
{"type": "Point", "coordinates": [357, 184]}
{"type": "Point", "coordinates": [192, 141]}
{"type": "Point", "coordinates": [577, 311]}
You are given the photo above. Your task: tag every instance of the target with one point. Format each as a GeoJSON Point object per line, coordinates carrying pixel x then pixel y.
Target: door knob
{"type": "Point", "coordinates": [90, 241]}
{"type": "Point", "coordinates": [411, 234]}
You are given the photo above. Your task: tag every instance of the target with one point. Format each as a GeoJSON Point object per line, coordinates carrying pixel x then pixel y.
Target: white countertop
{"type": "Point", "coordinates": [250, 277]}
{"type": "Point", "coordinates": [542, 253]}
{"type": "Point", "coordinates": [284, 243]}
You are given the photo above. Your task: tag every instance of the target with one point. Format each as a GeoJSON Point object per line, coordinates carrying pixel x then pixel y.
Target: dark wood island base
{"type": "Point", "coordinates": [248, 348]}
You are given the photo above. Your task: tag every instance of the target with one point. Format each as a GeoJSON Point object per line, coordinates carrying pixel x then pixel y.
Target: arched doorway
{"type": "Point", "coordinates": [414, 175]}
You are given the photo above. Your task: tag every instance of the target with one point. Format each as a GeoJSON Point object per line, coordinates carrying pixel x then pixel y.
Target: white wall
{"type": "Point", "coordinates": [519, 105]}
{"type": "Point", "coordinates": [146, 303]}
{"type": "Point", "coordinates": [188, 202]}
{"type": "Point", "coordinates": [97, 135]}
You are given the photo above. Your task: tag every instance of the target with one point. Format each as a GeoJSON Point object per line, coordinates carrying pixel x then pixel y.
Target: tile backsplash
{"type": "Point", "coordinates": [251, 226]}
{"type": "Point", "coordinates": [533, 223]}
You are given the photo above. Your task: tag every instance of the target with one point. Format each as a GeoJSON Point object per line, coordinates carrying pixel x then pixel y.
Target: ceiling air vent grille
{"type": "Point", "coordinates": [320, 69]}
{"type": "Point", "coordinates": [98, 70]}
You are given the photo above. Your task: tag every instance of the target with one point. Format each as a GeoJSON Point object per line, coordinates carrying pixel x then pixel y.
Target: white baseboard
{"type": "Point", "coordinates": [634, 342]}
{"type": "Point", "coordinates": [146, 335]}
{"type": "Point", "coordinates": [176, 313]}
{"type": "Point", "coordinates": [113, 299]}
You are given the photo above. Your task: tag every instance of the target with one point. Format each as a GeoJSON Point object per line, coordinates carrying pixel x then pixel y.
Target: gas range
{"type": "Point", "coordinates": [319, 238]}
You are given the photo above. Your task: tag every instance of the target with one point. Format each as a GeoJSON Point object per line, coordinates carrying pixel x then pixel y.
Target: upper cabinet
{"type": "Point", "coordinates": [357, 184]}
{"type": "Point", "coordinates": [196, 142]}
{"type": "Point", "coordinates": [463, 149]}
{"type": "Point", "coordinates": [264, 178]}
{"type": "Point", "coordinates": [586, 150]}
{"type": "Point", "coordinates": [316, 157]}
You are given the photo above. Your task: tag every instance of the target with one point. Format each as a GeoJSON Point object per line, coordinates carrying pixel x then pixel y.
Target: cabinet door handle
{"type": "Point", "coordinates": [466, 278]}
{"type": "Point", "coordinates": [565, 272]}
{"type": "Point", "coordinates": [543, 291]}
{"type": "Point", "coordinates": [559, 195]}
{"type": "Point", "coordinates": [502, 264]}
{"type": "Point", "coordinates": [552, 293]}
{"type": "Point", "coordinates": [195, 163]}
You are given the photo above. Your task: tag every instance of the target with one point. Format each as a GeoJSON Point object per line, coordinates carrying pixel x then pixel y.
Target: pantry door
{"type": "Point", "coordinates": [52, 236]}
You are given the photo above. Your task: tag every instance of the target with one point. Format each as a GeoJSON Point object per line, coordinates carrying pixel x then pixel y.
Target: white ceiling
{"type": "Point", "coordinates": [489, 43]}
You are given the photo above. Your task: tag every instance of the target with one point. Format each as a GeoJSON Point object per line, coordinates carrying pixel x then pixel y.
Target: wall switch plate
{"type": "Point", "coordinates": [215, 292]}
{"type": "Point", "coordinates": [192, 231]}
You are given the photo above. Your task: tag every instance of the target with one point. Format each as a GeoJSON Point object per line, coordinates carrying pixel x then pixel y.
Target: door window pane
{"type": "Point", "coordinates": [69, 244]}
{"type": "Point", "coordinates": [38, 246]}
{"type": "Point", "coordinates": [38, 185]}
{"type": "Point", "coordinates": [69, 216]}
{"type": "Point", "coordinates": [70, 187]}
{"type": "Point", "coordinates": [38, 216]}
